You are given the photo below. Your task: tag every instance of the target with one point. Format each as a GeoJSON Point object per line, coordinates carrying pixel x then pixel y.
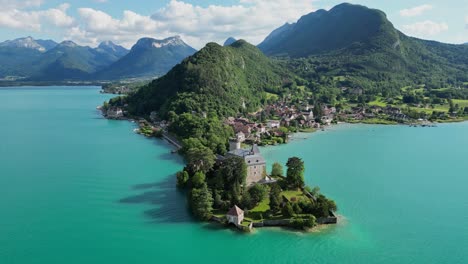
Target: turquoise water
{"type": "Point", "coordinates": [76, 188]}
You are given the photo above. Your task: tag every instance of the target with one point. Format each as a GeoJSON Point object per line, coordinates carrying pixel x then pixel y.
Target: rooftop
{"type": "Point", "coordinates": [235, 211]}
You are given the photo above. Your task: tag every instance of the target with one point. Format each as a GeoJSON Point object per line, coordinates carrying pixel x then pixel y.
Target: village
{"type": "Point", "coordinates": [300, 207]}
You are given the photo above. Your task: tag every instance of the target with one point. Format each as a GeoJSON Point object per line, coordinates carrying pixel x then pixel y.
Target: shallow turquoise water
{"type": "Point", "coordinates": [76, 188]}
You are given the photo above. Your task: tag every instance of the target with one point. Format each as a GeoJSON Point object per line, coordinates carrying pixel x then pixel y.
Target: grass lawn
{"type": "Point", "coordinates": [374, 121]}
{"type": "Point", "coordinates": [291, 194]}
{"type": "Point", "coordinates": [461, 103]}
{"type": "Point", "coordinates": [219, 213]}
{"type": "Point", "coordinates": [307, 130]}
{"type": "Point", "coordinates": [378, 102]}
{"type": "Point", "coordinates": [262, 207]}
{"type": "Point", "coordinates": [272, 96]}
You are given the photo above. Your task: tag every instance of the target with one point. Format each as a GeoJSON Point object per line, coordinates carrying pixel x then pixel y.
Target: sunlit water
{"type": "Point", "coordinates": [76, 188]}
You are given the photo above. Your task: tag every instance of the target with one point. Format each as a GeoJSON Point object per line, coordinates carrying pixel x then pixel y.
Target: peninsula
{"type": "Point", "coordinates": [222, 102]}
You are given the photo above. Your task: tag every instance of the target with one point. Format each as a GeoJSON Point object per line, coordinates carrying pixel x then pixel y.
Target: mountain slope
{"type": "Point", "coordinates": [353, 40]}
{"type": "Point", "coordinates": [322, 31]}
{"type": "Point", "coordinates": [116, 51]}
{"type": "Point", "coordinates": [30, 43]}
{"type": "Point", "coordinates": [68, 61]}
{"type": "Point", "coordinates": [215, 79]}
{"type": "Point", "coordinates": [17, 56]}
{"type": "Point", "coordinates": [148, 57]}
{"type": "Point", "coordinates": [229, 41]}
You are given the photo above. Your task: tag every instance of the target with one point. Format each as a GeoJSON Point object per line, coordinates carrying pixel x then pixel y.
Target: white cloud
{"type": "Point", "coordinates": [249, 19]}
{"type": "Point", "coordinates": [17, 17]}
{"type": "Point", "coordinates": [415, 11]}
{"type": "Point", "coordinates": [19, 4]}
{"type": "Point", "coordinates": [426, 28]}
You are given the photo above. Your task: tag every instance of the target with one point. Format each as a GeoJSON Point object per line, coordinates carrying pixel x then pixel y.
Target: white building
{"type": "Point", "coordinates": [273, 124]}
{"type": "Point", "coordinates": [235, 216]}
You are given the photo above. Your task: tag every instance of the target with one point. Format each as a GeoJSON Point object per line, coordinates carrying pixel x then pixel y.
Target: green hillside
{"type": "Point", "coordinates": [216, 79]}
{"type": "Point", "coordinates": [353, 46]}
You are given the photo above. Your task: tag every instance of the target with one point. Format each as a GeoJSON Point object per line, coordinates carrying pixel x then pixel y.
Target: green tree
{"type": "Point", "coordinates": [257, 193]}
{"type": "Point", "coordinates": [275, 198]}
{"type": "Point", "coordinates": [277, 170]}
{"type": "Point", "coordinates": [201, 202]}
{"type": "Point", "coordinates": [297, 209]}
{"type": "Point", "coordinates": [295, 172]}
{"type": "Point", "coordinates": [287, 210]}
{"type": "Point", "coordinates": [247, 201]}
{"type": "Point", "coordinates": [200, 159]}
{"type": "Point", "coordinates": [182, 178]}
{"type": "Point", "coordinates": [198, 179]}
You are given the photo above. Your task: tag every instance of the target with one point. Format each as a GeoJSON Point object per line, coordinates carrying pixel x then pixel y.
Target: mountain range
{"type": "Point", "coordinates": [350, 46]}
{"type": "Point", "coordinates": [148, 57]}
{"type": "Point", "coordinates": [46, 60]}
{"type": "Point", "coordinates": [348, 40]}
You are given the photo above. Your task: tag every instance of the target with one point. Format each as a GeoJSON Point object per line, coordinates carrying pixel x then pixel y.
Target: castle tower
{"type": "Point", "coordinates": [234, 144]}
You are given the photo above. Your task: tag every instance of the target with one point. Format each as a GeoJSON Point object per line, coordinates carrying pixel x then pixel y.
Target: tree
{"type": "Point", "coordinates": [295, 172]}
{"type": "Point", "coordinates": [275, 198]}
{"type": "Point", "coordinates": [198, 179]}
{"type": "Point", "coordinates": [277, 170]}
{"type": "Point", "coordinates": [257, 193]}
{"type": "Point", "coordinates": [200, 159]}
{"type": "Point", "coordinates": [182, 178]}
{"type": "Point", "coordinates": [234, 170]}
{"type": "Point", "coordinates": [297, 209]}
{"type": "Point", "coordinates": [287, 210]}
{"type": "Point", "coordinates": [247, 201]}
{"type": "Point", "coordinates": [201, 202]}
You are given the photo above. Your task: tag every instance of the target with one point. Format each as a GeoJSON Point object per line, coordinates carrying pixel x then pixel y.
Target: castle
{"type": "Point", "coordinates": [256, 164]}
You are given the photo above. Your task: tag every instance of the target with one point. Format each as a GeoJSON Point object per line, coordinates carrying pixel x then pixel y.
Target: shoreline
{"type": "Point", "coordinates": [283, 224]}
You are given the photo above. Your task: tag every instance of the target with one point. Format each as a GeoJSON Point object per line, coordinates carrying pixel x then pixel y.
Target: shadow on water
{"type": "Point", "coordinates": [170, 204]}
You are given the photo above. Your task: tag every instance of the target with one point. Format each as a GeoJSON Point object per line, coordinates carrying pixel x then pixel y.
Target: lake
{"type": "Point", "coordinates": [77, 188]}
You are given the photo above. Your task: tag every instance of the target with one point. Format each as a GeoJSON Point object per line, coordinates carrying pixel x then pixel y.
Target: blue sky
{"type": "Point", "coordinates": [89, 22]}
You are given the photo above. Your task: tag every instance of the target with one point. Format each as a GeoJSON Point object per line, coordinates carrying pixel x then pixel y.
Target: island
{"type": "Point", "coordinates": [219, 186]}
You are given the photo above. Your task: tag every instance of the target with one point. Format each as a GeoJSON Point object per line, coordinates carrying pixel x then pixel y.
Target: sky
{"type": "Point", "coordinates": [89, 22]}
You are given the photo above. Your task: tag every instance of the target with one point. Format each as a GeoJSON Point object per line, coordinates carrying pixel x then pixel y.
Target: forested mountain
{"type": "Point", "coordinates": [44, 60]}
{"type": "Point", "coordinates": [360, 47]}
{"type": "Point", "coordinates": [148, 57]}
{"type": "Point", "coordinates": [69, 61]}
{"type": "Point", "coordinates": [220, 80]}
{"type": "Point", "coordinates": [17, 55]}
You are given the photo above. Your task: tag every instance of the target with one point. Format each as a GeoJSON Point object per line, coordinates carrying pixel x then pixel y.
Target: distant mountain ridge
{"type": "Point", "coordinates": [46, 60]}
{"type": "Point", "coordinates": [30, 43]}
{"type": "Point", "coordinates": [229, 41]}
{"type": "Point", "coordinates": [148, 57]}
{"type": "Point", "coordinates": [69, 61]}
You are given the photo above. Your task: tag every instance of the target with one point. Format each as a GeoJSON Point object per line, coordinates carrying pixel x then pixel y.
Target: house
{"type": "Point", "coordinates": [114, 112]}
{"type": "Point", "coordinates": [256, 164]}
{"type": "Point", "coordinates": [235, 216]}
{"type": "Point", "coordinates": [273, 124]}
{"type": "Point", "coordinates": [261, 129]}
{"type": "Point", "coordinates": [308, 116]}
